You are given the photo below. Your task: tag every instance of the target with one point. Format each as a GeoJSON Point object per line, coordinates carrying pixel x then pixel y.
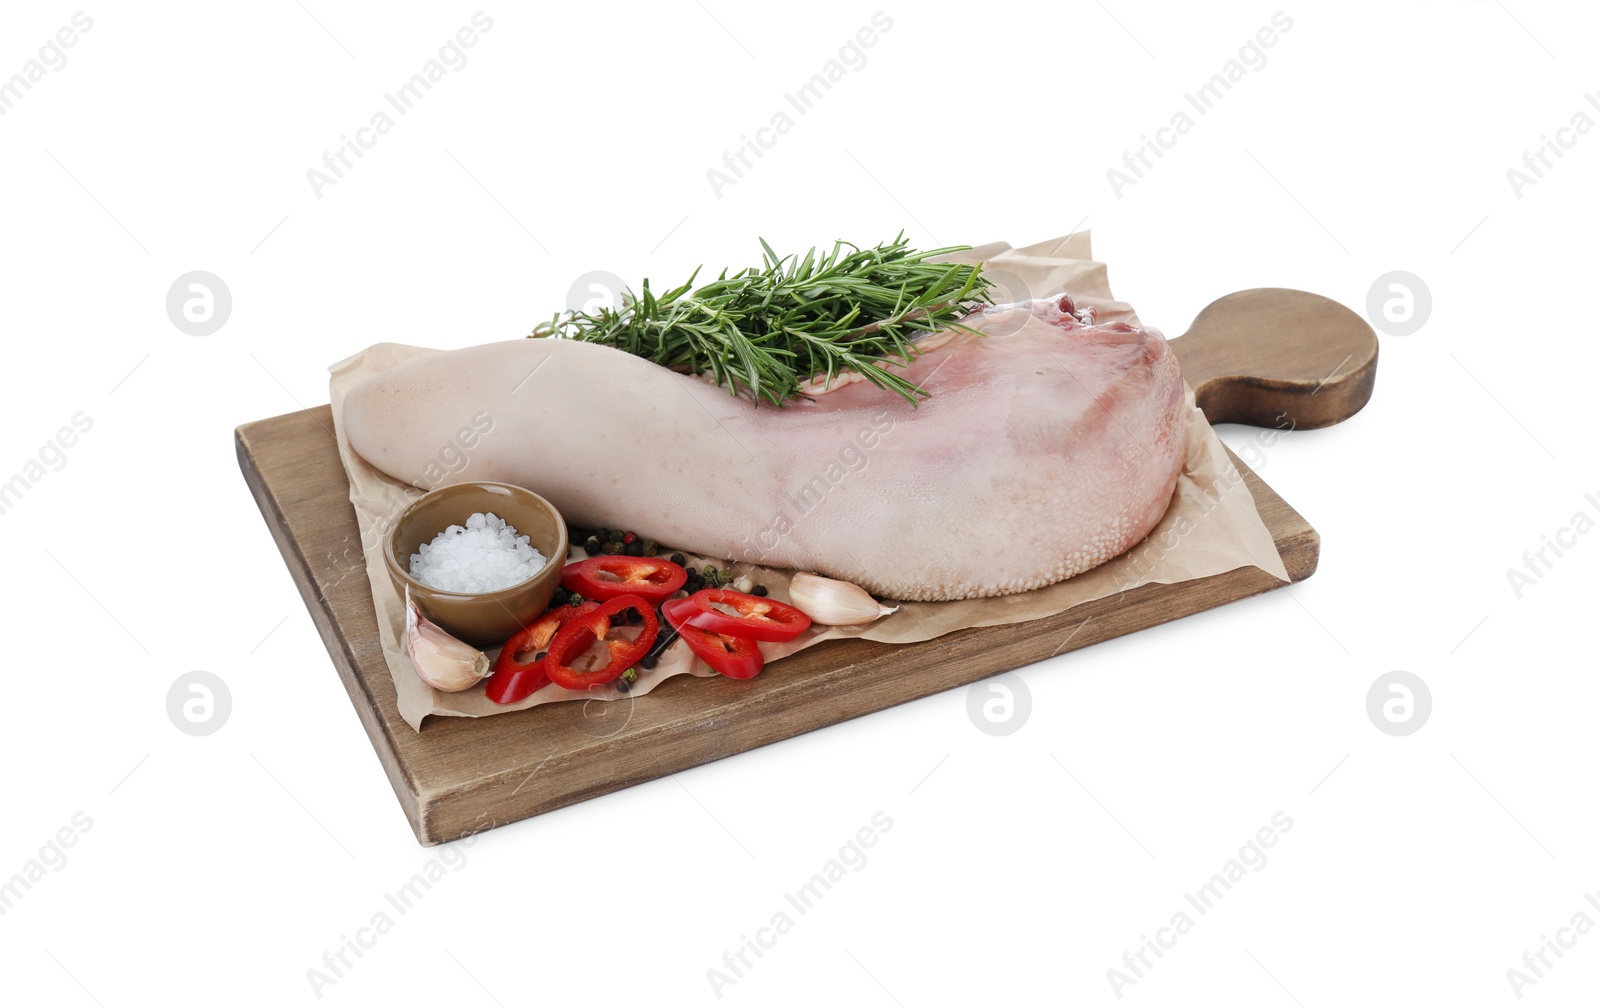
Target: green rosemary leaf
{"type": "Point", "coordinates": [765, 331]}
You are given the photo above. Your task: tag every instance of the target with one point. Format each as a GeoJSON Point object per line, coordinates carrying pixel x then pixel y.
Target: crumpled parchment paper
{"type": "Point", "coordinates": [1210, 528]}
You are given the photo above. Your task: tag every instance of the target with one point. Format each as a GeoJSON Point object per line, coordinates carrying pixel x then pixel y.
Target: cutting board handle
{"type": "Point", "coordinates": [1273, 357]}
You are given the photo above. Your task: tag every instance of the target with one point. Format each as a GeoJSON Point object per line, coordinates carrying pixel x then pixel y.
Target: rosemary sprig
{"type": "Point", "coordinates": [766, 330]}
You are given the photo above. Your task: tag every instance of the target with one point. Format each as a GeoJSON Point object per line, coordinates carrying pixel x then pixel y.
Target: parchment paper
{"type": "Point", "coordinates": [1210, 528]}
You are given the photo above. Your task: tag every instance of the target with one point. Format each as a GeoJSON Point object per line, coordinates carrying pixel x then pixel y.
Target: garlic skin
{"type": "Point", "coordinates": [834, 603]}
{"type": "Point", "coordinates": [441, 661]}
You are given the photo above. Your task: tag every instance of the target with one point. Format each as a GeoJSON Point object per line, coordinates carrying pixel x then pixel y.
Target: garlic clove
{"type": "Point", "coordinates": [441, 661]}
{"type": "Point", "coordinates": [834, 603]}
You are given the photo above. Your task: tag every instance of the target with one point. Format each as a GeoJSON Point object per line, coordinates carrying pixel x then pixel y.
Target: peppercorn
{"type": "Point", "coordinates": [629, 538]}
{"type": "Point", "coordinates": [679, 559]}
{"type": "Point", "coordinates": [711, 574]}
{"type": "Point", "coordinates": [613, 535]}
{"type": "Point", "coordinates": [591, 546]}
{"type": "Point", "coordinates": [634, 549]}
{"type": "Point", "coordinates": [651, 548]}
{"type": "Point", "coordinates": [647, 662]}
{"type": "Point", "coordinates": [665, 640]}
{"type": "Point", "coordinates": [759, 590]}
{"type": "Point", "coordinates": [559, 599]}
{"type": "Point", "coordinates": [623, 686]}
{"type": "Point", "coordinates": [613, 548]}
{"type": "Point", "coordinates": [574, 599]}
{"type": "Point", "coordinates": [634, 615]}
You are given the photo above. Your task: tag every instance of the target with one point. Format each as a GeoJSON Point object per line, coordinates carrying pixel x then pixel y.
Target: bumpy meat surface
{"type": "Point", "coordinates": [1048, 446]}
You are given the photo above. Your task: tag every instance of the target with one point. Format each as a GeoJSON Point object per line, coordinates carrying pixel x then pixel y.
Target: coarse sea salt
{"type": "Point", "coordinates": [484, 555]}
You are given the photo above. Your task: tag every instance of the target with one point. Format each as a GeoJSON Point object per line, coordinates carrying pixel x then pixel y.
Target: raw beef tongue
{"type": "Point", "coordinates": [1046, 447]}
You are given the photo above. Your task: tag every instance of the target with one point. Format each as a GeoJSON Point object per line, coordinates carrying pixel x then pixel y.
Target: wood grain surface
{"type": "Point", "coordinates": [1280, 358]}
{"type": "Point", "coordinates": [462, 775]}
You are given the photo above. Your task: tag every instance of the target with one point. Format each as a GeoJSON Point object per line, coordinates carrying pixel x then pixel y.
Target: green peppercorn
{"type": "Point", "coordinates": [613, 548]}
{"type": "Point", "coordinates": [651, 548]}
{"type": "Point", "coordinates": [574, 599]}
{"type": "Point", "coordinates": [711, 573]}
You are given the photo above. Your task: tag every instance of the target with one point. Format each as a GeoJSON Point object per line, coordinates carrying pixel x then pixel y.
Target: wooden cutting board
{"type": "Point", "coordinates": [1269, 357]}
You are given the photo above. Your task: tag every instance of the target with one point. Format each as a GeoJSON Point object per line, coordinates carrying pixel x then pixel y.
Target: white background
{"type": "Point", "coordinates": [1418, 869]}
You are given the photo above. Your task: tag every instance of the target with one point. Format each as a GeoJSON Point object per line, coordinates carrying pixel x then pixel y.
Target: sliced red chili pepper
{"type": "Point", "coordinates": [762, 619]}
{"type": "Point", "coordinates": [734, 657]}
{"type": "Point", "coordinates": [572, 640]}
{"type": "Point", "coordinates": [513, 681]}
{"type": "Point", "coordinates": [649, 578]}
